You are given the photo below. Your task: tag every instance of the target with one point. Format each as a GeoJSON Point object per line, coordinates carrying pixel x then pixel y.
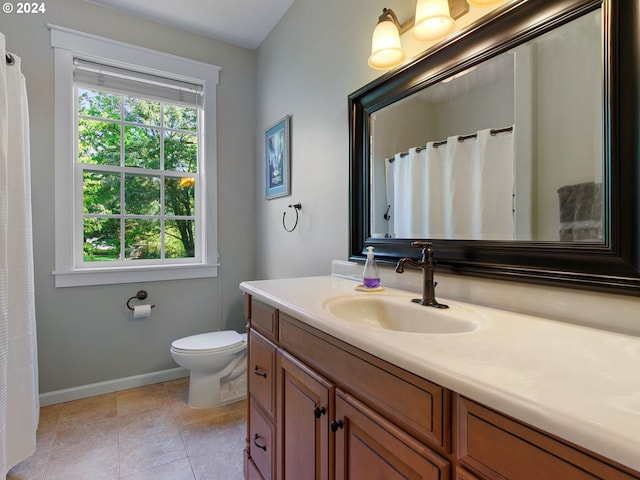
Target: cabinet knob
{"type": "Point", "coordinates": [319, 411]}
{"type": "Point", "coordinates": [259, 445]}
{"type": "Point", "coordinates": [336, 425]}
{"type": "Point", "coordinates": [257, 371]}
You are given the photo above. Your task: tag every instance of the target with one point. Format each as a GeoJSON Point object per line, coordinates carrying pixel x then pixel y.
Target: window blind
{"type": "Point", "coordinates": [131, 82]}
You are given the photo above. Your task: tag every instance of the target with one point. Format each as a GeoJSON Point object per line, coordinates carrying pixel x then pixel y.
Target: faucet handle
{"type": "Point", "coordinates": [421, 244]}
{"type": "Point", "coordinates": [427, 251]}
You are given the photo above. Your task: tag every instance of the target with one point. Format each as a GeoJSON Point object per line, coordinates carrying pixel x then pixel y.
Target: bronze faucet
{"type": "Point", "coordinates": [428, 265]}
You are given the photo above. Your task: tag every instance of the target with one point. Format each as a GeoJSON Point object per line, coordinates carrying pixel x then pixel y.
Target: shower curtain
{"type": "Point", "coordinates": [416, 193]}
{"type": "Point", "coordinates": [19, 405]}
{"type": "Point", "coordinates": [454, 190]}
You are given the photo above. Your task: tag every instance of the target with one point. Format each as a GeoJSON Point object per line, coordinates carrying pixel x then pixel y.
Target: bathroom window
{"type": "Point", "coordinates": [138, 158]}
{"type": "Point", "coordinates": [135, 187]}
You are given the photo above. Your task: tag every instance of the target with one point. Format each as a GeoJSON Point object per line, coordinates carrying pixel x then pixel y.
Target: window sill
{"type": "Point", "coordinates": [114, 275]}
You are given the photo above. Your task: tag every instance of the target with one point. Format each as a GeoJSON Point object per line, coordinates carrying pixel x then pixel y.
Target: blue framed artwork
{"type": "Point", "coordinates": [278, 159]}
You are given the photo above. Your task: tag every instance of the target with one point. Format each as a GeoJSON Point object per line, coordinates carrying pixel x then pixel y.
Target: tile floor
{"type": "Point", "coordinates": [146, 433]}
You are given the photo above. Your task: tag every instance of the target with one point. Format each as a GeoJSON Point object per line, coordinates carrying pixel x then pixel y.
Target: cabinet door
{"type": "Point", "coordinates": [369, 447]}
{"type": "Point", "coordinates": [304, 409]}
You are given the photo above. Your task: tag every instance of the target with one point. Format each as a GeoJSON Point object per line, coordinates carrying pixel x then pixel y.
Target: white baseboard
{"type": "Point", "coordinates": [92, 389]}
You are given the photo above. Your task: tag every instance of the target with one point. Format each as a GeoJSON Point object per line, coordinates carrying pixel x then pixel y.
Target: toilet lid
{"type": "Point", "coordinates": [209, 341]}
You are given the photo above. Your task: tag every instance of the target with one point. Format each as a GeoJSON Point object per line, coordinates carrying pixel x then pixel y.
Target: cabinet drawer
{"type": "Point", "coordinates": [264, 319]}
{"type": "Point", "coordinates": [499, 447]}
{"type": "Point", "coordinates": [262, 355]}
{"type": "Point", "coordinates": [261, 443]}
{"type": "Point", "coordinates": [415, 404]}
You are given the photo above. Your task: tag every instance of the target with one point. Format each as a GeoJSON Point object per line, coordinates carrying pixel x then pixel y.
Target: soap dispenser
{"type": "Point", "coordinates": [371, 275]}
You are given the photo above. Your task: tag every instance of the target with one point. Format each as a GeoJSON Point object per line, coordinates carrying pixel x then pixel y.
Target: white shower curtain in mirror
{"type": "Point", "coordinates": [457, 190]}
{"type": "Point", "coordinates": [19, 404]}
{"type": "Point", "coordinates": [415, 193]}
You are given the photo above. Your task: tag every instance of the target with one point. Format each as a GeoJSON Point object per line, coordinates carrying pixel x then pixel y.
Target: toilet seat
{"type": "Point", "coordinates": [209, 342]}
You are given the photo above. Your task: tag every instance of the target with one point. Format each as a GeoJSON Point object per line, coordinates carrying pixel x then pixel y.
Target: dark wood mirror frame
{"type": "Point", "coordinates": [613, 266]}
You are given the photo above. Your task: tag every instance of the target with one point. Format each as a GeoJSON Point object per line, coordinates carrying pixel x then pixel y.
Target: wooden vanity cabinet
{"type": "Point", "coordinates": [321, 409]}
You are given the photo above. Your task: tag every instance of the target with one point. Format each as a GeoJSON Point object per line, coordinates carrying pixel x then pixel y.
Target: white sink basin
{"type": "Point", "coordinates": [398, 313]}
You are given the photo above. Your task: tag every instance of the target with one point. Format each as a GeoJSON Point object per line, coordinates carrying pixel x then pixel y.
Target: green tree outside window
{"type": "Point", "coordinates": [140, 167]}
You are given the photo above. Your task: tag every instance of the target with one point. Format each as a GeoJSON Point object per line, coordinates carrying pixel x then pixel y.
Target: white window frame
{"type": "Point", "coordinates": [67, 45]}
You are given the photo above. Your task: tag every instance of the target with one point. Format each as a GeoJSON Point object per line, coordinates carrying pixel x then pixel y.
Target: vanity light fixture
{"type": "Point", "coordinates": [386, 50]}
{"type": "Point", "coordinates": [434, 19]}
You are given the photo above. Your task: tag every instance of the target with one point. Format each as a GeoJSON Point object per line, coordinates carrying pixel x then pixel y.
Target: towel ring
{"type": "Point", "coordinates": [386, 215]}
{"type": "Point", "coordinates": [296, 207]}
{"type": "Point", "coordinates": [141, 295]}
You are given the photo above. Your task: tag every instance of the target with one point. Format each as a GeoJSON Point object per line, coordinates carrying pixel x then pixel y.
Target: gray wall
{"type": "Point", "coordinates": [307, 67]}
{"type": "Point", "coordinates": [86, 334]}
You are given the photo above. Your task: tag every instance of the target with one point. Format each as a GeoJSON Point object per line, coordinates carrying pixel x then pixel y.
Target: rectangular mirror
{"type": "Point", "coordinates": [557, 82]}
{"type": "Point", "coordinates": [509, 149]}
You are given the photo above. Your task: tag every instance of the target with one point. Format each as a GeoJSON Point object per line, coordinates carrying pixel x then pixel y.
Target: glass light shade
{"type": "Point", "coordinates": [484, 3]}
{"type": "Point", "coordinates": [433, 20]}
{"type": "Point", "coordinates": [386, 50]}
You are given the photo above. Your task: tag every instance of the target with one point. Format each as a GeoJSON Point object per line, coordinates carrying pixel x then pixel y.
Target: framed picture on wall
{"type": "Point", "coordinates": [278, 159]}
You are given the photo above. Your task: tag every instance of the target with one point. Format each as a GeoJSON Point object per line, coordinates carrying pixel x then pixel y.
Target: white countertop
{"type": "Point", "coordinates": [579, 383]}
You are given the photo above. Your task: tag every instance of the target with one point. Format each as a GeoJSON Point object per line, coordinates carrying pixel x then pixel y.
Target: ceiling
{"type": "Point", "coordinates": [245, 23]}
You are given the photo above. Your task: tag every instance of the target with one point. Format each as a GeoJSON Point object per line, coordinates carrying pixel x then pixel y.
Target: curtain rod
{"type": "Point", "coordinates": [461, 138]}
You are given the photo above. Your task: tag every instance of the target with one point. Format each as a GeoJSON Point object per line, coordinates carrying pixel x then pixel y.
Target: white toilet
{"type": "Point", "coordinates": [218, 365]}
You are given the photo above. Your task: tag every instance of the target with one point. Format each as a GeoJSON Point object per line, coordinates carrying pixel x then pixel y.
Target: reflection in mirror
{"type": "Point", "coordinates": [509, 149]}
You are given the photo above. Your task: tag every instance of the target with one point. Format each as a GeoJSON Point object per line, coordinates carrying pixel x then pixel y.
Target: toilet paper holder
{"type": "Point", "coordinates": [141, 295]}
